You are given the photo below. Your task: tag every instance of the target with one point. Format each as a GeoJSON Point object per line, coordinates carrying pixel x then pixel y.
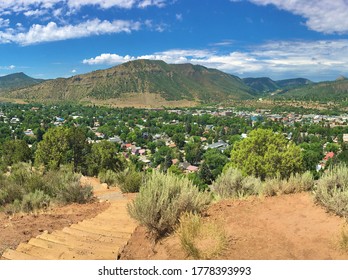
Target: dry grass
{"type": "Point", "coordinates": [201, 240]}
{"type": "Point", "coordinates": [343, 238]}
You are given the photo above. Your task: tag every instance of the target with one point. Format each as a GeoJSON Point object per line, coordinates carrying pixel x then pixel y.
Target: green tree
{"type": "Point", "coordinates": [215, 162]}
{"type": "Point", "coordinates": [266, 154]}
{"type": "Point", "coordinates": [52, 151]}
{"type": "Point", "coordinates": [193, 152]}
{"type": "Point", "coordinates": [205, 174]}
{"type": "Point", "coordinates": [103, 157]}
{"type": "Point", "coordinates": [62, 145]}
{"type": "Point", "coordinates": [332, 147]}
{"type": "Point", "coordinates": [179, 140]}
{"type": "Point", "coordinates": [78, 148]}
{"type": "Point", "coordinates": [15, 151]}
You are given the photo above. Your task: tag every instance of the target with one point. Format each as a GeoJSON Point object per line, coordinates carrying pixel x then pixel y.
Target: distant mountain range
{"type": "Point", "coordinates": [17, 80]}
{"type": "Point", "coordinates": [169, 81]}
{"type": "Point", "coordinates": [267, 85]}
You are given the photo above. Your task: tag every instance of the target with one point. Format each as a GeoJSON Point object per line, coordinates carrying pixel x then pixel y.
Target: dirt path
{"type": "Point", "coordinates": [277, 228]}
{"type": "Point", "coordinates": [100, 237]}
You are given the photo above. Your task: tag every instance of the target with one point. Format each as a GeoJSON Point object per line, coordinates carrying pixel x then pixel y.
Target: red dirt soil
{"type": "Point", "coordinates": [287, 227]}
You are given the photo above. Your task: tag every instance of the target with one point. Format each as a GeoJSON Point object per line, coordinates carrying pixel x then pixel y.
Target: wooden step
{"type": "Point", "coordinates": [121, 227]}
{"type": "Point", "coordinates": [17, 255]}
{"type": "Point", "coordinates": [92, 229]}
{"type": "Point", "coordinates": [71, 240]}
{"type": "Point", "coordinates": [92, 251]}
{"type": "Point", "coordinates": [83, 233]}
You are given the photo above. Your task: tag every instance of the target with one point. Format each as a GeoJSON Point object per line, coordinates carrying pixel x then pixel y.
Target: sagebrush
{"type": "Point", "coordinates": [331, 190]}
{"type": "Point", "coordinates": [232, 184]}
{"type": "Point", "coordinates": [162, 200]}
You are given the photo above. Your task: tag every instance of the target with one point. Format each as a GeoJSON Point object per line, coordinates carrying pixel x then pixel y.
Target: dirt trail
{"type": "Point", "coordinates": [98, 238]}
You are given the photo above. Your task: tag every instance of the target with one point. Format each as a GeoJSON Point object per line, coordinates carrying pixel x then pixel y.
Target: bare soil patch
{"type": "Point", "coordinates": [143, 100]}
{"type": "Point", "coordinates": [287, 227]}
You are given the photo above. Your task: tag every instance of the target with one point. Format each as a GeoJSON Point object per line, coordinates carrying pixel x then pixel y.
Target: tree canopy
{"type": "Point", "coordinates": [265, 153]}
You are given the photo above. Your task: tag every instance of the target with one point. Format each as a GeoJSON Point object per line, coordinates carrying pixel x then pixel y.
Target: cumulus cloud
{"type": "Point", "coordinates": [21, 6]}
{"type": "Point", "coordinates": [4, 22]}
{"type": "Point", "coordinates": [326, 16]}
{"type": "Point", "coordinates": [10, 67]}
{"type": "Point", "coordinates": [61, 19]}
{"type": "Point", "coordinates": [312, 59]}
{"type": "Point", "coordinates": [52, 32]}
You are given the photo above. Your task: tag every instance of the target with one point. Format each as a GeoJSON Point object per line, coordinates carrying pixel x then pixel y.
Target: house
{"type": "Point", "coordinates": [220, 145]}
{"type": "Point", "coordinates": [191, 169]}
{"type": "Point", "coordinates": [29, 132]}
{"type": "Point", "coordinates": [99, 135]}
{"type": "Point", "coordinates": [14, 120]}
{"type": "Point", "coordinates": [328, 156]}
{"type": "Point", "coordinates": [59, 119]}
{"type": "Point", "coordinates": [184, 165]}
{"type": "Point", "coordinates": [127, 146]}
{"type": "Point", "coordinates": [115, 139]}
{"type": "Point", "coordinates": [209, 127]}
{"type": "Point", "coordinates": [345, 137]}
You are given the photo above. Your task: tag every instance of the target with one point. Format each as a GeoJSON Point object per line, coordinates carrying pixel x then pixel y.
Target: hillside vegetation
{"type": "Point", "coordinates": [267, 85]}
{"type": "Point", "coordinates": [324, 91]}
{"type": "Point", "coordinates": [16, 81]}
{"type": "Point", "coordinates": [170, 81]}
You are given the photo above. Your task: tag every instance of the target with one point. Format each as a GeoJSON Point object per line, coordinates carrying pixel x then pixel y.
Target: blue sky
{"type": "Point", "coordinates": [248, 38]}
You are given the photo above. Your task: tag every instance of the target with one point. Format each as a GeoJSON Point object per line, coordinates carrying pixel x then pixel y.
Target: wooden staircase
{"type": "Point", "coordinates": [99, 238]}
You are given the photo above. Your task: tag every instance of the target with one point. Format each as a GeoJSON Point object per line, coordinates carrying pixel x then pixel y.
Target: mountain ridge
{"type": "Point", "coordinates": [17, 80]}
{"type": "Point", "coordinates": [169, 82]}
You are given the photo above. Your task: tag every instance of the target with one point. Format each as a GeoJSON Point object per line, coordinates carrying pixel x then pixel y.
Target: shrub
{"type": "Point", "coordinates": [298, 183]}
{"type": "Point", "coordinates": [109, 177]}
{"type": "Point", "coordinates": [162, 200]}
{"type": "Point", "coordinates": [271, 187]}
{"type": "Point", "coordinates": [332, 190]}
{"type": "Point", "coordinates": [130, 180]}
{"type": "Point", "coordinates": [201, 240]}
{"type": "Point", "coordinates": [343, 241]}
{"type": "Point", "coordinates": [64, 185]}
{"type": "Point", "coordinates": [70, 189]}
{"type": "Point", "coordinates": [34, 201]}
{"type": "Point", "coordinates": [295, 183]}
{"type": "Point", "coordinates": [232, 184]}
{"type": "Point", "coordinates": [20, 173]}
{"type": "Point", "coordinates": [14, 207]}
{"type": "Point", "coordinates": [9, 191]}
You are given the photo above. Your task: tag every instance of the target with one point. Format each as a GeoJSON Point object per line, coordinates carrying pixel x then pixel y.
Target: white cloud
{"type": "Point", "coordinates": [326, 16]}
{"type": "Point", "coordinates": [61, 19]}
{"type": "Point", "coordinates": [147, 3]}
{"type": "Point", "coordinates": [10, 67]}
{"type": "Point", "coordinates": [73, 71]}
{"type": "Point", "coordinates": [311, 59]}
{"type": "Point", "coordinates": [4, 22]}
{"type": "Point", "coordinates": [21, 6]}
{"type": "Point", "coordinates": [179, 17]}
{"type": "Point", "coordinates": [52, 32]}
{"type": "Point", "coordinates": [35, 13]}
